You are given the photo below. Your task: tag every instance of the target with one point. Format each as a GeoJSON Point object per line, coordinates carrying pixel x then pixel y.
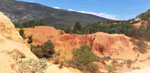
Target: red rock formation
{"type": "Point", "coordinates": [117, 46]}
{"type": "Point", "coordinates": [101, 42]}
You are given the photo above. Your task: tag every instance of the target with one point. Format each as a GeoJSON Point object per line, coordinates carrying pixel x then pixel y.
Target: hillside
{"type": "Point", "coordinates": [143, 19]}
{"type": "Point", "coordinates": [115, 46]}
{"type": "Point", "coordinates": [19, 11]}
{"type": "Point", "coordinates": [144, 16]}
{"type": "Point", "coordinates": [120, 46]}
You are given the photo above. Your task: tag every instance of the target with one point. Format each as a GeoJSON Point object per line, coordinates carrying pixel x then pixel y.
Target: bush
{"type": "Point", "coordinates": [142, 46]}
{"type": "Point", "coordinates": [32, 66]}
{"type": "Point", "coordinates": [83, 58]}
{"type": "Point", "coordinates": [30, 39]}
{"type": "Point", "coordinates": [21, 31]}
{"type": "Point", "coordinates": [111, 67]}
{"type": "Point", "coordinates": [37, 50]}
{"type": "Point", "coordinates": [46, 50]}
{"type": "Point", "coordinates": [93, 68]}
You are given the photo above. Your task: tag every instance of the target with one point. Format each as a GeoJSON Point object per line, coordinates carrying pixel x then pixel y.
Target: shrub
{"type": "Point", "coordinates": [93, 68]}
{"type": "Point", "coordinates": [30, 39]}
{"type": "Point", "coordinates": [111, 67]}
{"type": "Point", "coordinates": [84, 55]}
{"type": "Point", "coordinates": [46, 50]}
{"type": "Point", "coordinates": [142, 46]}
{"type": "Point", "coordinates": [21, 31]}
{"type": "Point", "coordinates": [37, 50]}
{"type": "Point", "coordinates": [32, 66]}
{"type": "Point", "coordinates": [83, 58]}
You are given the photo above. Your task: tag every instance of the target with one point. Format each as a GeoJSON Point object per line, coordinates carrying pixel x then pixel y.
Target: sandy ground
{"type": "Point", "coordinates": [145, 70]}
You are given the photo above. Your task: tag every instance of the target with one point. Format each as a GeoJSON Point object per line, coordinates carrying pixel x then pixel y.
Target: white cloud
{"type": "Point", "coordinates": [56, 7]}
{"type": "Point", "coordinates": [71, 10]}
{"type": "Point", "coordinates": [109, 16]}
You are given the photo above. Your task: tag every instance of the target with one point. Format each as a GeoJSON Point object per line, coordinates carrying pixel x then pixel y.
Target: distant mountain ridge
{"type": "Point", "coordinates": [19, 12]}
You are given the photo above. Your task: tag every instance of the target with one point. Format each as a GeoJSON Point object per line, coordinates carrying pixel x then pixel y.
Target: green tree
{"type": "Point", "coordinates": [68, 29]}
{"type": "Point", "coordinates": [77, 27]}
{"type": "Point", "coordinates": [32, 23]}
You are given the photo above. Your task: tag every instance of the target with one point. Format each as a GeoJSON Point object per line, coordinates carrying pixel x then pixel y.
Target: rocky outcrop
{"type": "Point", "coordinates": [10, 39]}
{"type": "Point", "coordinates": [11, 43]}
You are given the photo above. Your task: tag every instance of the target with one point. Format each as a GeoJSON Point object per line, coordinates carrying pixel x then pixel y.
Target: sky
{"type": "Point", "coordinates": [112, 9]}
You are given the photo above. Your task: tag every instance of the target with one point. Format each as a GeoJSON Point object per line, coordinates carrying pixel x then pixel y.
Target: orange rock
{"type": "Point", "coordinates": [103, 43]}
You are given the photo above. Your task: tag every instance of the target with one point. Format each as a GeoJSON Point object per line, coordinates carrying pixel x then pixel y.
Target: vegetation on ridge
{"type": "Point", "coordinates": [145, 16]}
{"type": "Point", "coordinates": [30, 23]}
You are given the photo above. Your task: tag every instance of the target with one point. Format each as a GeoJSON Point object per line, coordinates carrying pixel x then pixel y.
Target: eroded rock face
{"type": "Point", "coordinates": [11, 43]}
{"type": "Point", "coordinates": [11, 39]}
{"type": "Point", "coordinates": [103, 43]}
{"type": "Point", "coordinates": [7, 29]}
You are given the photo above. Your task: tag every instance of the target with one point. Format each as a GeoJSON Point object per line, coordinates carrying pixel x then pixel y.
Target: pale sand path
{"type": "Point", "coordinates": [145, 70]}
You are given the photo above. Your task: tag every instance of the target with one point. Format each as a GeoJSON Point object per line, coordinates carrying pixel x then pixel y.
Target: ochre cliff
{"type": "Point", "coordinates": [101, 43]}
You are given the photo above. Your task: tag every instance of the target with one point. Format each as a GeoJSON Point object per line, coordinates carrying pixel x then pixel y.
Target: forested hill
{"type": "Point", "coordinates": [19, 11]}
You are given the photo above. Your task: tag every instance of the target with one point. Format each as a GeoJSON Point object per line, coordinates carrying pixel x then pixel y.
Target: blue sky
{"type": "Point", "coordinates": [113, 9]}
